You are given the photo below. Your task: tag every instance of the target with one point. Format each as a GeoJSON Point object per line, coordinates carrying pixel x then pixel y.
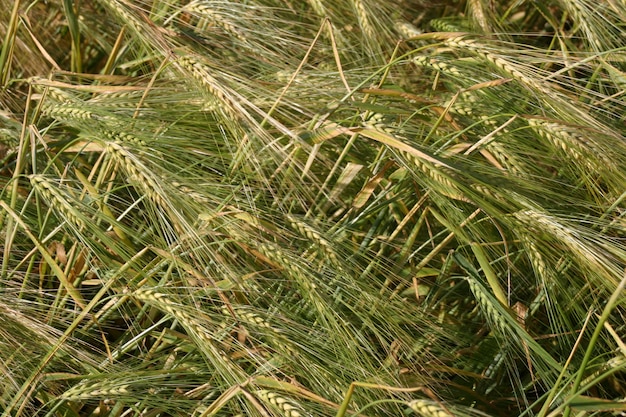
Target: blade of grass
{"type": "Point", "coordinates": [72, 23]}
{"type": "Point", "coordinates": [6, 54]}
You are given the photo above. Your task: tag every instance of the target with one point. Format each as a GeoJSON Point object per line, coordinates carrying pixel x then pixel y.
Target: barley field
{"type": "Point", "coordinates": [303, 208]}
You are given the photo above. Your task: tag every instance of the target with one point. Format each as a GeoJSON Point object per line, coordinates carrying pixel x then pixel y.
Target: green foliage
{"type": "Point", "coordinates": [312, 208]}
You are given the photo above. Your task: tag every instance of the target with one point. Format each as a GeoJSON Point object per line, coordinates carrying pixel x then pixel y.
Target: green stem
{"type": "Point", "coordinates": [72, 23]}
{"type": "Point", "coordinates": [8, 44]}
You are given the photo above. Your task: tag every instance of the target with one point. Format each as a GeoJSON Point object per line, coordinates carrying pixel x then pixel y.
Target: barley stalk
{"type": "Point", "coordinates": [488, 305]}
{"type": "Point", "coordinates": [485, 191]}
{"type": "Point", "coordinates": [187, 191]}
{"type": "Point", "coordinates": [164, 303]}
{"type": "Point", "coordinates": [428, 408]}
{"type": "Point", "coordinates": [286, 406]}
{"type": "Point", "coordinates": [615, 362]}
{"type": "Point", "coordinates": [277, 341]}
{"type": "Point", "coordinates": [460, 108]}
{"type": "Point", "coordinates": [407, 30]}
{"type": "Point", "coordinates": [511, 69]}
{"type": "Point", "coordinates": [447, 186]}
{"type": "Point", "coordinates": [200, 73]}
{"type": "Point", "coordinates": [208, 12]}
{"type": "Point", "coordinates": [477, 10]}
{"type": "Point", "coordinates": [534, 220]}
{"type": "Point", "coordinates": [436, 64]}
{"type": "Point", "coordinates": [575, 145]}
{"type": "Point", "coordinates": [313, 235]}
{"type": "Point", "coordinates": [149, 182]}
{"type": "Point", "coordinates": [582, 17]}
{"type": "Point", "coordinates": [318, 7]}
{"type": "Point", "coordinates": [507, 159]}
{"type": "Point", "coordinates": [125, 16]}
{"type": "Point", "coordinates": [119, 99]}
{"type": "Point", "coordinates": [465, 104]}
{"type": "Point", "coordinates": [310, 291]}
{"type": "Point", "coordinates": [58, 95]}
{"type": "Point", "coordinates": [364, 19]}
{"type": "Point", "coordinates": [68, 112]}
{"type": "Point", "coordinates": [445, 25]}
{"type": "Point", "coordinates": [377, 121]}
{"type": "Point", "coordinates": [248, 317]}
{"type": "Point", "coordinates": [535, 256]}
{"type": "Point", "coordinates": [277, 255]}
{"type": "Point", "coordinates": [541, 269]}
{"type": "Point", "coordinates": [122, 137]}
{"type": "Point", "coordinates": [138, 172]}
{"type": "Point", "coordinates": [96, 390]}
{"type": "Point", "coordinates": [56, 200]}
{"type": "Point", "coordinates": [540, 221]}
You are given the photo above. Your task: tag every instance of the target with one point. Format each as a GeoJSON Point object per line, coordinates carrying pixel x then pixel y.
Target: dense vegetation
{"type": "Point", "coordinates": [312, 208]}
